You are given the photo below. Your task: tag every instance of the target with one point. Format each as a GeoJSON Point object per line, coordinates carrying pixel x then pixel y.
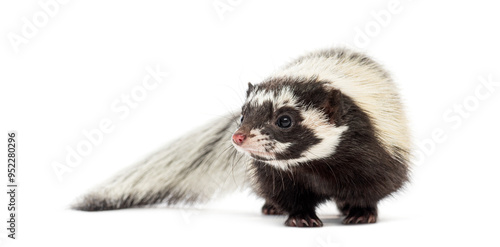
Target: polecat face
{"type": "Point", "coordinates": [287, 121]}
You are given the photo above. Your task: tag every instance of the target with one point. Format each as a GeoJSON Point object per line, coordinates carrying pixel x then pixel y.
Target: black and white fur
{"type": "Point", "coordinates": [345, 139]}
{"type": "Point", "coordinates": [192, 169]}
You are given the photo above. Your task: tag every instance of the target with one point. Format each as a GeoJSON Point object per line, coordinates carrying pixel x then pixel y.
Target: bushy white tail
{"type": "Point", "coordinates": [192, 169]}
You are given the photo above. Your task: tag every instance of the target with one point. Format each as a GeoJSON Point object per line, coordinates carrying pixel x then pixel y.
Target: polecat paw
{"type": "Point", "coordinates": [303, 221]}
{"type": "Point", "coordinates": [360, 216]}
{"type": "Point", "coordinates": [269, 209]}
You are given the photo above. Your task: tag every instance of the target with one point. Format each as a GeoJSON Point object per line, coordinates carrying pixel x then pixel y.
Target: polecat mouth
{"type": "Point", "coordinates": [255, 153]}
{"type": "Point", "coordinates": [258, 153]}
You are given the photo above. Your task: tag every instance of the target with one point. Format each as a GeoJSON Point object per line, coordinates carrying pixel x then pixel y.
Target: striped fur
{"type": "Point", "coordinates": [349, 143]}
{"type": "Point", "coordinates": [367, 83]}
{"type": "Point", "coordinates": [346, 139]}
{"type": "Point", "coordinates": [195, 168]}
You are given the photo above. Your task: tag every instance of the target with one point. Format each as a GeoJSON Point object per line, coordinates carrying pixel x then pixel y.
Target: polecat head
{"type": "Point", "coordinates": [288, 121]}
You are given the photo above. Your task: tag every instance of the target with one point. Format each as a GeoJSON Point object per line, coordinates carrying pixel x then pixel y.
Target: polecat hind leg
{"type": "Point", "coordinates": [343, 207]}
{"type": "Point", "coordinates": [361, 215]}
{"type": "Point", "coordinates": [309, 219]}
{"type": "Point", "coordinates": [269, 209]}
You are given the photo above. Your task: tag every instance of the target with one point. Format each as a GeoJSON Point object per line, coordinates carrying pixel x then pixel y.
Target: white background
{"type": "Point", "coordinates": [62, 79]}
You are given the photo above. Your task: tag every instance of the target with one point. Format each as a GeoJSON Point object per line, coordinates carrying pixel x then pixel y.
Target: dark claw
{"type": "Point", "coordinates": [303, 221]}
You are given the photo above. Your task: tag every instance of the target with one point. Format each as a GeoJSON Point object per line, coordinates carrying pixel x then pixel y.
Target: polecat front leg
{"type": "Point", "coordinates": [300, 205]}
{"type": "Point", "coordinates": [358, 215]}
{"type": "Point", "coordinates": [304, 219]}
{"type": "Point", "coordinates": [300, 219]}
{"type": "Point", "coordinates": [290, 193]}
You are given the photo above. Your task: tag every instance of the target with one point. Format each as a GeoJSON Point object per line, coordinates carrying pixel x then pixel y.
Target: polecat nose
{"type": "Point", "coordinates": [239, 138]}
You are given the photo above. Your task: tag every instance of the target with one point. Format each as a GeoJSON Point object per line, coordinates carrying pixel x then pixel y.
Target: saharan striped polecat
{"type": "Point", "coordinates": [328, 126]}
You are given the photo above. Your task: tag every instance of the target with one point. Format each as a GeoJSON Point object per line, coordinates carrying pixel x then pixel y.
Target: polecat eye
{"type": "Point", "coordinates": [284, 122]}
{"type": "Point", "coordinates": [241, 119]}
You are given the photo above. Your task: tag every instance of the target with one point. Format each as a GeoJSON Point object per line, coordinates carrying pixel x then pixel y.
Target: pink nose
{"type": "Point", "coordinates": [238, 138]}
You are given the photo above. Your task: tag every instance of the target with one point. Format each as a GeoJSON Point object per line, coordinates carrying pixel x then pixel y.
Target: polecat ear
{"type": "Point", "coordinates": [250, 88]}
{"type": "Point", "coordinates": [334, 107]}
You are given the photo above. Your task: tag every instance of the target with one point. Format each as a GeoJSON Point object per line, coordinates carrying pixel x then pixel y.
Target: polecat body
{"type": "Point", "coordinates": [328, 126]}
